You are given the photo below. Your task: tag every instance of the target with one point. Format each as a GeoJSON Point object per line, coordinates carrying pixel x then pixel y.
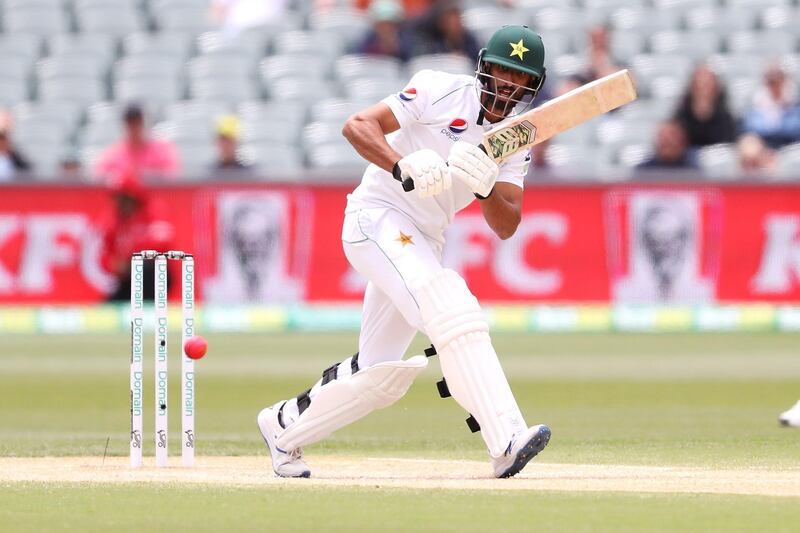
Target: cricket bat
{"type": "Point", "coordinates": [557, 115]}
{"type": "Point", "coordinates": [560, 114]}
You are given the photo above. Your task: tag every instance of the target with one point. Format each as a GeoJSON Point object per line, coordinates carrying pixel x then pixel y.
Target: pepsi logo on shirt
{"type": "Point", "coordinates": [458, 126]}
{"type": "Point", "coordinates": [408, 94]}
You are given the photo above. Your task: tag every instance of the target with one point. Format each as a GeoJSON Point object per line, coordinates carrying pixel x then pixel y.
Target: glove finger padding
{"type": "Point", "coordinates": [460, 170]}
{"type": "Point", "coordinates": [476, 169]}
{"type": "Point", "coordinates": [427, 169]}
{"type": "Point", "coordinates": [436, 177]}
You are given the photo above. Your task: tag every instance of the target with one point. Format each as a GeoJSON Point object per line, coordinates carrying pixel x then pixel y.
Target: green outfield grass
{"type": "Point", "coordinates": [82, 508]}
{"type": "Point", "coordinates": [699, 400]}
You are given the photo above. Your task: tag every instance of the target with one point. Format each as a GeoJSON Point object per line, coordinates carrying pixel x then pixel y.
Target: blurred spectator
{"type": "Point", "coordinates": [70, 168]}
{"type": "Point", "coordinates": [671, 148]}
{"type": "Point", "coordinates": [12, 163]}
{"type": "Point", "coordinates": [228, 163]}
{"type": "Point", "coordinates": [775, 115]}
{"type": "Point", "coordinates": [235, 16]}
{"type": "Point", "coordinates": [441, 31]}
{"type": "Point", "coordinates": [137, 155]}
{"type": "Point", "coordinates": [416, 8]}
{"type": "Point", "coordinates": [137, 222]}
{"type": "Point", "coordinates": [755, 157]}
{"type": "Point", "coordinates": [599, 61]}
{"type": "Point", "coordinates": [412, 8]}
{"type": "Point", "coordinates": [387, 36]}
{"type": "Point", "coordinates": [703, 110]}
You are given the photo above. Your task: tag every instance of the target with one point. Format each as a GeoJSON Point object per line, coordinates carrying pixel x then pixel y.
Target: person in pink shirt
{"type": "Point", "coordinates": [136, 154]}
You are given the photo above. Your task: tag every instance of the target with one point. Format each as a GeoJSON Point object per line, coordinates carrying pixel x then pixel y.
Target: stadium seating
{"type": "Point", "coordinates": [197, 110]}
{"type": "Point", "coordinates": [197, 158]}
{"type": "Point", "coordinates": [789, 161]}
{"type": "Point", "coordinates": [353, 67]}
{"type": "Point", "coordinates": [696, 44]}
{"type": "Point", "coordinates": [66, 114]}
{"type": "Point", "coordinates": [335, 109]}
{"type": "Point", "coordinates": [484, 20]}
{"type": "Point", "coordinates": [344, 24]}
{"type": "Point", "coordinates": [373, 90]}
{"type": "Point", "coordinates": [335, 156]}
{"type": "Point", "coordinates": [632, 155]}
{"type": "Point", "coordinates": [272, 159]}
{"type": "Point", "coordinates": [624, 44]}
{"type": "Point", "coordinates": [67, 67]}
{"type": "Point", "coordinates": [778, 17]}
{"type": "Point", "coordinates": [455, 64]}
{"type": "Point", "coordinates": [181, 15]}
{"type": "Point", "coordinates": [573, 161]}
{"type": "Point", "coordinates": [112, 17]}
{"type": "Point", "coordinates": [74, 65]}
{"type": "Point", "coordinates": [639, 18]}
{"type": "Point", "coordinates": [83, 90]}
{"type": "Point", "coordinates": [718, 161]}
{"type": "Point", "coordinates": [326, 45]}
{"type": "Point", "coordinates": [711, 19]}
{"type": "Point", "coordinates": [168, 43]}
{"type": "Point", "coordinates": [259, 119]}
{"type": "Point", "coordinates": [101, 45]}
{"type": "Point", "coordinates": [37, 19]}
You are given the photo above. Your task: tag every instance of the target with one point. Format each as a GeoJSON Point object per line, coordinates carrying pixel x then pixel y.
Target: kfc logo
{"type": "Point", "coordinates": [661, 246]}
{"type": "Point", "coordinates": [779, 268]}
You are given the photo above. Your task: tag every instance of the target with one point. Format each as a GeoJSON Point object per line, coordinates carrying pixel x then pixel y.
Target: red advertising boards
{"type": "Point", "coordinates": [264, 243]}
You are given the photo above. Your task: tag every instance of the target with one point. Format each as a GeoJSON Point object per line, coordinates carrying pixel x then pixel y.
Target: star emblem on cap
{"type": "Point", "coordinates": [518, 49]}
{"type": "Point", "coordinates": [404, 239]}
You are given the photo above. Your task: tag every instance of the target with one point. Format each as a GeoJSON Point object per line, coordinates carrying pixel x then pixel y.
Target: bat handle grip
{"type": "Point", "coordinates": [408, 183]}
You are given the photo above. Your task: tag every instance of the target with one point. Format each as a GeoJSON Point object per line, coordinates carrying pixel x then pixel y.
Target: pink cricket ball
{"type": "Point", "coordinates": [195, 347]}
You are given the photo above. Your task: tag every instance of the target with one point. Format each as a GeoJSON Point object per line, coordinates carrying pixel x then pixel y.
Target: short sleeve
{"type": "Point", "coordinates": [410, 104]}
{"type": "Point", "coordinates": [514, 168]}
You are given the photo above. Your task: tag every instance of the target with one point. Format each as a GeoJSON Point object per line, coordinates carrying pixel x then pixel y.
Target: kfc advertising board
{"type": "Point", "coordinates": [261, 244]}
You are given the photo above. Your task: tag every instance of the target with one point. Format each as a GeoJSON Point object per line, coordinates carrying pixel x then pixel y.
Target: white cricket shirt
{"type": "Point", "coordinates": [435, 110]}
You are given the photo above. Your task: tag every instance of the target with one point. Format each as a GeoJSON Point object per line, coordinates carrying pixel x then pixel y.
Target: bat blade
{"type": "Point", "coordinates": [560, 114]}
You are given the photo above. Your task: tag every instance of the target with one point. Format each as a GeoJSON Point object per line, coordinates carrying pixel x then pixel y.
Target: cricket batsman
{"type": "Point", "coordinates": [429, 133]}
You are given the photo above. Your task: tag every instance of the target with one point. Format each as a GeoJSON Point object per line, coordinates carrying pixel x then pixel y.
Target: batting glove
{"type": "Point", "coordinates": [472, 167]}
{"type": "Point", "coordinates": [428, 170]}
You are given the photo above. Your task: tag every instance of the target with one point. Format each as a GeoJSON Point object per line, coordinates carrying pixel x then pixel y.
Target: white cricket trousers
{"type": "Point", "coordinates": [384, 245]}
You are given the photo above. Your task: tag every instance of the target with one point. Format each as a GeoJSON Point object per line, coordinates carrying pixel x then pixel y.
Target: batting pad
{"type": "Point", "coordinates": [342, 402]}
{"type": "Point", "coordinates": [459, 331]}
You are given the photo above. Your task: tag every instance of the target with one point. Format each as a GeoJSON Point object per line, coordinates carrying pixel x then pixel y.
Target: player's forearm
{"type": "Point", "coordinates": [367, 137]}
{"type": "Point", "coordinates": [502, 214]}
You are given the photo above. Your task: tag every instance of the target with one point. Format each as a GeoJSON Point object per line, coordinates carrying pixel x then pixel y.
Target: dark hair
{"type": "Point", "coordinates": [720, 105]}
{"type": "Point", "coordinates": [133, 112]}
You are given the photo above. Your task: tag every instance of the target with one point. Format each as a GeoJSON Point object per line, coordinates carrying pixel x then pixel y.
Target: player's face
{"type": "Point", "coordinates": [505, 88]}
{"type": "Point", "coordinates": [510, 84]}
{"type": "Point", "coordinates": [135, 129]}
{"type": "Point", "coordinates": [504, 91]}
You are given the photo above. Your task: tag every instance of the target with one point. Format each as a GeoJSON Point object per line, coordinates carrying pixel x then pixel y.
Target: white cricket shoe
{"type": "Point", "coordinates": [285, 464]}
{"type": "Point", "coordinates": [791, 417]}
{"type": "Point", "coordinates": [523, 447]}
